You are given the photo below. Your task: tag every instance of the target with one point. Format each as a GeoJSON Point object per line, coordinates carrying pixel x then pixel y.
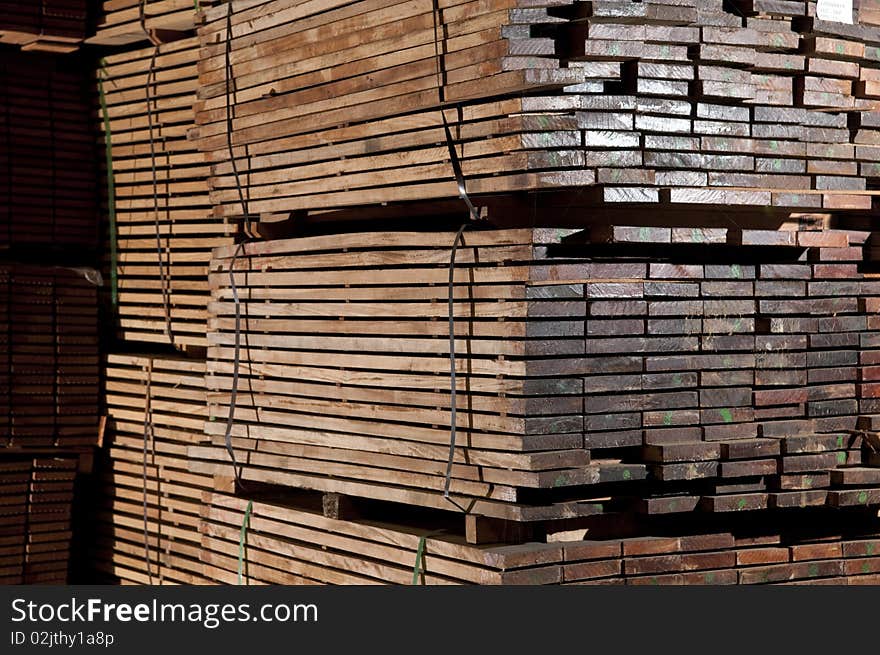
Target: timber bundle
{"type": "Point", "coordinates": [443, 292]}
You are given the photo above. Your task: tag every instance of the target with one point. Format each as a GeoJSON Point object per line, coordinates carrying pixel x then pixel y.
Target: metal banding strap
{"type": "Point", "coordinates": [236, 365]}
{"type": "Point", "coordinates": [473, 216]}
{"type": "Point", "coordinates": [161, 253]}
{"type": "Point", "coordinates": [242, 541]}
{"type": "Point", "coordinates": [148, 434]}
{"type": "Point", "coordinates": [230, 80]}
{"type": "Point", "coordinates": [111, 186]}
{"type": "Point", "coordinates": [239, 250]}
{"type": "Point", "coordinates": [450, 142]}
{"type": "Point", "coordinates": [142, 18]}
{"type": "Point", "coordinates": [453, 381]}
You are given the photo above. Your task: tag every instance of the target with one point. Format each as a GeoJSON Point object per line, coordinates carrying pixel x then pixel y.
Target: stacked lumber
{"type": "Point", "coordinates": [165, 230]}
{"type": "Point", "coordinates": [286, 544]}
{"type": "Point", "coordinates": [47, 25]}
{"type": "Point", "coordinates": [633, 369]}
{"type": "Point", "coordinates": [755, 104]}
{"type": "Point", "coordinates": [119, 21]}
{"type": "Point", "coordinates": [48, 191]}
{"type": "Point", "coordinates": [49, 378]}
{"type": "Point", "coordinates": [156, 407]}
{"type": "Point", "coordinates": [36, 496]}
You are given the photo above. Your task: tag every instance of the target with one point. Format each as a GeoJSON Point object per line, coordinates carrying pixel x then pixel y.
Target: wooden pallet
{"type": "Point", "coordinates": [162, 182]}
{"type": "Point", "coordinates": [173, 389]}
{"type": "Point", "coordinates": [637, 103]}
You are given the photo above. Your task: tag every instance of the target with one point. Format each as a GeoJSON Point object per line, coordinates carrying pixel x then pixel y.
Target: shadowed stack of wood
{"type": "Point", "coordinates": [299, 545]}
{"type": "Point", "coordinates": [163, 213]}
{"type": "Point", "coordinates": [691, 102]}
{"type": "Point", "coordinates": [47, 183]}
{"type": "Point", "coordinates": [47, 25]}
{"type": "Point", "coordinates": [642, 369]}
{"type": "Point", "coordinates": [36, 496]}
{"type": "Point", "coordinates": [49, 359]}
{"type": "Point", "coordinates": [156, 407]}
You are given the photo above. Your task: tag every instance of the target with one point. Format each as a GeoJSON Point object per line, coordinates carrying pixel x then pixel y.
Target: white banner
{"type": "Point", "coordinates": [839, 11]}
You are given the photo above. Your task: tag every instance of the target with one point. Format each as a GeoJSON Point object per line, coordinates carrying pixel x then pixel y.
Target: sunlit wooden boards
{"type": "Point", "coordinates": [165, 230]}
{"type": "Point", "coordinates": [48, 25]}
{"type": "Point", "coordinates": [164, 399]}
{"type": "Point", "coordinates": [298, 545]}
{"type": "Point", "coordinates": [685, 103]}
{"type": "Point", "coordinates": [48, 191]}
{"type": "Point", "coordinates": [36, 496]}
{"type": "Point", "coordinates": [119, 21]}
{"type": "Point", "coordinates": [49, 377]}
{"type": "Point", "coordinates": [668, 370]}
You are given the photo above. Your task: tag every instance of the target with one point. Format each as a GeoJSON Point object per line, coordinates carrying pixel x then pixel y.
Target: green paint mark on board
{"type": "Point", "coordinates": [741, 503]}
{"type": "Point", "coordinates": [726, 415]}
{"type": "Point", "coordinates": [627, 474]}
{"type": "Point", "coordinates": [840, 441]}
{"type": "Point", "coordinates": [869, 549]}
{"type": "Point", "coordinates": [709, 578]}
{"type": "Point", "coordinates": [667, 418]}
{"type": "Point", "coordinates": [863, 497]}
{"type": "Point", "coordinates": [866, 568]}
{"type": "Point", "coordinates": [736, 269]}
{"type": "Point", "coordinates": [677, 379]}
{"type": "Point", "coordinates": [841, 458]}
{"type": "Point", "coordinates": [813, 570]}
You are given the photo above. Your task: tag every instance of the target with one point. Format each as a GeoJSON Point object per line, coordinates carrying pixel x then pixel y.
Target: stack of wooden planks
{"type": "Point", "coordinates": [287, 544]}
{"type": "Point", "coordinates": [156, 406]}
{"type": "Point", "coordinates": [47, 179]}
{"type": "Point", "coordinates": [646, 103]}
{"type": "Point", "coordinates": [119, 21]}
{"type": "Point", "coordinates": [49, 358]}
{"type": "Point", "coordinates": [165, 228]}
{"type": "Point", "coordinates": [657, 370]}
{"type": "Point", "coordinates": [49, 236]}
{"type": "Point", "coordinates": [36, 498]}
{"type": "Point", "coordinates": [47, 25]}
